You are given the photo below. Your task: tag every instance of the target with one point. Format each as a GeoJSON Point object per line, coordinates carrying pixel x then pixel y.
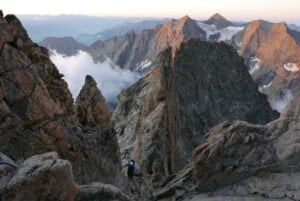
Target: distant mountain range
{"type": "Point", "coordinates": [88, 39]}
{"type": "Point", "coordinates": [271, 50]}
{"type": "Point", "coordinates": [137, 50]}
{"type": "Point", "coordinates": [219, 21]}
{"type": "Point", "coordinates": [64, 45]}
{"type": "Point", "coordinates": [42, 26]}
{"type": "Point", "coordinates": [294, 27]}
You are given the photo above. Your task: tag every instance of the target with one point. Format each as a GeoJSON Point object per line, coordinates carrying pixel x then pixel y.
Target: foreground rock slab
{"type": "Point", "coordinates": [41, 177]}
{"type": "Point", "coordinates": [100, 192]}
{"type": "Point", "coordinates": [234, 151]}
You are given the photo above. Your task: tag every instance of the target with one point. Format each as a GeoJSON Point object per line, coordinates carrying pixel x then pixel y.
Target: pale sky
{"type": "Point", "coordinates": [278, 10]}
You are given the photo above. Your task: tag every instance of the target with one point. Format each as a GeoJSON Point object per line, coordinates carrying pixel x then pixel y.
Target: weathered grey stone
{"type": "Point", "coordinates": [233, 151]}
{"type": "Point", "coordinates": [41, 177]}
{"type": "Point", "coordinates": [100, 192]}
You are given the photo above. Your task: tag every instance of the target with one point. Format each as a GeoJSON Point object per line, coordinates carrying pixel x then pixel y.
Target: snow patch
{"type": "Point", "coordinates": [225, 33]}
{"type": "Point", "coordinates": [292, 67]}
{"type": "Point", "coordinates": [254, 64]}
{"type": "Point", "coordinates": [267, 85]}
{"type": "Point", "coordinates": [144, 64]}
{"type": "Point", "coordinates": [260, 89]}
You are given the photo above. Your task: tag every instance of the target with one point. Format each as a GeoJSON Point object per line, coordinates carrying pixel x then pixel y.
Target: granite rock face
{"type": "Point", "coordinates": [90, 106]}
{"type": "Point", "coordinates": [241, 161]}
{"type": "Point", "coordinates": [234, 151]}
{"type": "Point", "coordinates": [37, 114]}
{"type": "Point", "coordinates": [164, 116]}
{"type": "Point", "coordinates": [138, 51]}
{"type": "Point", "coordinates": [273, 53]}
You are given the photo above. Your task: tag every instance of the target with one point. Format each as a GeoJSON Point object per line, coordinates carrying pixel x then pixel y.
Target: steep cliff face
{"type": "Point", "coordinates": [138, 51]}
{"type": "Point", "coordinates": [163, 117]}
{"type": "Point", "coordinates": [67, 46]}
{"type": "Point", "coordinates": [273, 54]}
{"type": "Point", "coordinates": [90, 106]}
{"type": "Point", "coordinates": [37, 112]}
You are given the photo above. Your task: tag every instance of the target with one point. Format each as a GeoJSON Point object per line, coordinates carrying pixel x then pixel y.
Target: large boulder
{"type": "Point", "coordinates": [91, 109]}
{"type": "Point", "coordinates": [47, 177]}
{"type": "Point", "coordinates": [164, 116]}
{"type": "Point", "coordinates": [234, 151]}
{"type": "Point", "coordinates": [41, 177]}
{"type": "Point", "coordinates": [239, 161]}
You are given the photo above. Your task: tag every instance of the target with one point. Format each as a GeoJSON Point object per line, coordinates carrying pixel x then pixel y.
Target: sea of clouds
{"type": "Point", "coordinates": [110, 79]}
{"type": "Point", "coordinates": [280, 103]}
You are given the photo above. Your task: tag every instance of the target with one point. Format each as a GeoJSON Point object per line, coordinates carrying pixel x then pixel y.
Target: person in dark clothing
{"type": "Point", "coordinates": [1, 14]}
{"type": "Point", "coordinates": [130, 168]}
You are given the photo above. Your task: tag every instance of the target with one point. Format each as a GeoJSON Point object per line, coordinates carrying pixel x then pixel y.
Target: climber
{"type": "Point", "coordinates": [130, 169]}
{"type": "Point", "coordinates": [8, 164]}
{"type": "Point", "coordinates": [1, 14]}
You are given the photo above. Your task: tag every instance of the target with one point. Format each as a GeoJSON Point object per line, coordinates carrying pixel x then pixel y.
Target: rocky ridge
{"type": "Point", "coordinates": [272, 51]}
{"type": "Point", "coordinates": [37, 114]}
{"type": "Point", "coordinates": [242, 161]}
{"type": "Point", "coordinates": [157, 123]}
{"type": "Point", "coordinates": [47, 177]}
{"type": "Point", "coordinates": [162, 118]}
{"type": "Point", "coordinates": [90, 106]}
{"type": "Point", "coordinates": [138, 51]}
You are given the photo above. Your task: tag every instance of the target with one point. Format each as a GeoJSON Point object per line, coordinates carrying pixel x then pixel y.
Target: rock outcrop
{"type": "Point", "coordinates": [67, 46]}
{"type": "Point", "coordinates": [37, 111]}
{"type": "Point", "coordinates": [90, 106]}
{"type": "Point", "coordinates": [138, 51]}
{"type": "Point", "coordinates": [41, 177]}
{"type": "Point", "coordinates": [242, 161]}
{"type": "Point", "coordinates": [100, 192]}
{"type": "Point", "coordinates": [234, 151]}
{"type": "Point", "coordinates": [273, 53]}
{"type": "Point", "coordinates": [47, 177]}
{"type": "Point", "coordinates": [162, 118]}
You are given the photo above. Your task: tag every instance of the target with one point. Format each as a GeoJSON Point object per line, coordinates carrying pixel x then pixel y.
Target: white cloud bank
{"type": "Point", "coordinates": [110, 80]}
{"type": "Point", "coordinates": [279, 104]}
